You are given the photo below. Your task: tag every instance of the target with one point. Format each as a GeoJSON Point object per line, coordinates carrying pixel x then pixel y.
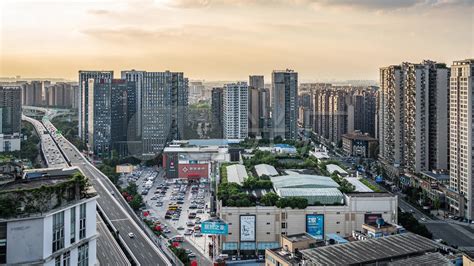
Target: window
{"type": "Point", "coordinates": [82, 221]}
{"type": "Point", "coordinates": [73, 225]}
{"type": "Point", "coordinates": [57, 261]}
{"type": "Point", "coordinates": [67, 259]}
{"type": "Point", "coordinates": [83, 255]}
{"type": "Point", "coordinates": [58, 231]}
{"type": "Point", "coordinates": [3, 243]}
{"type": "Point", "coordinates": [283, 225]}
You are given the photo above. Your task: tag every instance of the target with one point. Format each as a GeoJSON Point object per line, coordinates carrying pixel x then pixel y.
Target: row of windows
{"type": "Point", "coordinates": [58, 227]}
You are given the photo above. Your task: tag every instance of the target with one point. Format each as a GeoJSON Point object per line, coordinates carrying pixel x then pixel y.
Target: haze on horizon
{"type": "Point", "coordinates": [230, 39]}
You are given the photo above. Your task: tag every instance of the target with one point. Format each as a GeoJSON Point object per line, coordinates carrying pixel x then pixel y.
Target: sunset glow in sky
{"type": "Point", "coordinates": [230, 39]}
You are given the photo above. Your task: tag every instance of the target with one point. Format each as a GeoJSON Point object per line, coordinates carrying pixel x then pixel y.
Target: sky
{"type": "Point", "coordinates": [231, 39]}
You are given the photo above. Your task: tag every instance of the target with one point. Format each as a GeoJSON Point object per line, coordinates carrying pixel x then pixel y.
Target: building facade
{"type": "Point", "coordinates": [53, 227]}
{"type": "Point", "coordinates": [413, 124]}
{"type": "Point", "coordinates": [163, 105]}
{"type": "Point", "coordinates": [10, 118]}
{"type": "Point", "coordinates": [461, 115]}
{"type": "Point", "coordinates": [256, 83]}
{"type": "Point", "coordinates": [235, 111]}
{"type": "Point", "coordinates": [83, 112]}
{"type": "Point", "coordinates": [217, 119]}
{"type": "Point", "coordinates": [112, 116]}
{"type": "Point", "coordinates": [59, 95]}
{"type": "Point", "coordinates": [253, 229]}
{"type": "Point", "coordinates": [284, 104]}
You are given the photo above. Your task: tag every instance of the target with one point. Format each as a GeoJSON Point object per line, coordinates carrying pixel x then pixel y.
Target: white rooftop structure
{"type": "Point", "coordinates": [236, 173]}
{"type": "Point", "coordinates": [265, 169]}
{"type": "Point", "coordinates": [320, 155]}
{"type": "Point", "coordinates": [331, 168]}
{"type": "Point", "coordinates": [359, 186]}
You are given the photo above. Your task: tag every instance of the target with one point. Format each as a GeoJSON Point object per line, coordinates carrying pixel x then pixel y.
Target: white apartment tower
{"type": "Point", "coordinates": [235, 117]}
{"type": "Point", "coordinates": [461, 118]}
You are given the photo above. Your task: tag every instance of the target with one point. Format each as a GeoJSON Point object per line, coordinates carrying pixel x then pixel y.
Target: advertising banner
{"type": "Point", "coordinates": [315, 225]}
{"type": "Point", "coordinates": [214, 228]}
{"type": "Point", "coordinates": [247, 227]}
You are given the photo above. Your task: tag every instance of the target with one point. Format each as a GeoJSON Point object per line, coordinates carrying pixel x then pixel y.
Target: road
{"type": "Point", "coordinates": [144, 251]}
{"type": "Point", "coordinates": [108, 251]}
{"type": "Point", "coordinates": [117, 210]}
{"type": "Point", "coordinates": [107, 248]}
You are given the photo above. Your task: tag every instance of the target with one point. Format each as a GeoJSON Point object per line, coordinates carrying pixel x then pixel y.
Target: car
{"type": "Point", "coordinates": [191, 215]}
{"type": "Point", "coordinates": [180, 202]}
{"type": "Point", "coordinates": [188, 232]}
{"type": "Point", "coordinates": [199, 211]}
{"type": "Point", "coordinates": [175, 218]}
{"type": "Point", "coordinates": [188, 251]}
{"type": "Point", "coordinates": [190, 223]}
{"type": "Point", "coordinates": [180, 228]}
{"type": "Point", "coordinates": [193, 206]}
{"type": "Point", "coordinates": [166, 231]}
{"type": "Point", "coordinates": [191, 255]}
{"type": "Point", "coordinates": [197, 228]}
{"type": "Point", "coordinates": [131, 235]}
{"type": "Point", "coordinates": [423, 219]}
{"type": "Point", "coordinates": [261, 258]}
{"type": "Point", "coordinates": [197, 234]}
{"type": "Point", "coordinates": [197, 222]}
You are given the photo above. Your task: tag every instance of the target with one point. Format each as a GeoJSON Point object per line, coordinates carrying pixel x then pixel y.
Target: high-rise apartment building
{"type": "Point", "coordinates": [413, 124]}
{"type": "Point", "coordinates": [10, 118]}
{"type": "Point", "coordinates": [162, 101]}
{"type": "Point", "coordinates": [59, 95]}
{"type": "Point", "coordinates": [217, 116]}
{"type": "Point", "coordinates": [338, 110]}
{"type": "Point", "coordinates": [51, 220]}
{"type": "Point", "coordinates": [461, 139]}
{"type": "Point", "coordinates": [235, 111]}
{"type": "Point", "coordinates": [284, 104]}
{"type": "Point", "coordinates": [83, 112]}
{"type": "Point", "coordinates": [33, 93]}
{"type": "Point", "coordinates": [259, 107]}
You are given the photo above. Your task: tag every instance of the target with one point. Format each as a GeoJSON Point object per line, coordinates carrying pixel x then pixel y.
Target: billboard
{"type": "Point", "coordinates": [124, 168]}
{"type": "Point", "coordinates": [315, 225]}
{"type": "Point", "coordinates": [247, 227]}
{"type": "Point", "coordinates": [214, 227]}
{"type": "Point", "coordinates": [371, 218]}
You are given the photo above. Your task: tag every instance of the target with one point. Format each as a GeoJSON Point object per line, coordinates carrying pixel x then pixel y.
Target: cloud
{"type": "Point", "coordinates": [359, 4]}
{"type": "Point", "coordinates": [98, 12]}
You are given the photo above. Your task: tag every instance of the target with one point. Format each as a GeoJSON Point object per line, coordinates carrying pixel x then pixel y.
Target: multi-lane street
{"type": "Point", "coordinates": [143, 250]}
{"type": "Point", "coordinates": [108, 251]}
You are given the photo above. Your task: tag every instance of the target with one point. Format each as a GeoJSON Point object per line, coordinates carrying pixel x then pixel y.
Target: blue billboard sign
{"type": "Point", "coordinates": [315, 225]}
{"type": "Point", "coordinates": [379, 179]}
{"type": "Point", "coordinates": [214, 227]}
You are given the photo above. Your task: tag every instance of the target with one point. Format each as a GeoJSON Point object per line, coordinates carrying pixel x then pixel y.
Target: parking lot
{"type": "Point", "coordinates": [179, 205]}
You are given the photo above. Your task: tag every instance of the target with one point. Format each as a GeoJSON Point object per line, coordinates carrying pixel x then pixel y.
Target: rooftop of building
{"type": "Point", "coordinates": [326, 196]}
{"type": "Point", "coordinates": [463, 62]}
{"type": "Point", "coordinates": [369, 194]}
{"type": "Point", "coordinates": [436, 176]}
{"type": "Point", "coordinates": [298, 237]}
{"type": "Point", "coordinates": [358, 136]}
{"type": "Point", "coordinates": [331, 168]}
{"type": "Point", "coordinates": [359, 186]}
{"type": "Point", "coordinates": [265, 169]}
{"type": "Point", "coordinates": [236, 173]}
{"type": "Point", "coordinates": [426, 259]}
{"type": "Point", "coordinates": [38, 194]}
{"type": "Point", "coordinates": [371, 250]}
{"type": "Point", "coordinates": [303, 181]}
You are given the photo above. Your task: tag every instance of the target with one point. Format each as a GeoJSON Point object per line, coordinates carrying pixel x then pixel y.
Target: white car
{"type": "Point", "coordinates": [131, 235]}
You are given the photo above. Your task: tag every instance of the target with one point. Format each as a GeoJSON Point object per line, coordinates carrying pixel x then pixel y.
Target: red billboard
{"type": "Point", "coordinates": [193, 171]}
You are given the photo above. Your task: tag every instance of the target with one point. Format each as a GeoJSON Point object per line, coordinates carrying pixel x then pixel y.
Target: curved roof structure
{"type": "Point", "coordinates": [265, 169]}
{"type": "Point", "coordinates": [303, 181]}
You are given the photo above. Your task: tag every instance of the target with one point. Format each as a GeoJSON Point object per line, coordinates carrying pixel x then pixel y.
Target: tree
{"type": "Point", "coordinates": [411, 224]}
{"type": "Point", "coordinates": [269, 199]}
{"type": "Point", "coordinates": [132, 189]}
{"type": "Point", "coordinates": [136, 202]}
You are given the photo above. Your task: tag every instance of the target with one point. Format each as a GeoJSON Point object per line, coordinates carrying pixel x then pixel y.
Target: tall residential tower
{"type": "Point", "coordinates": [461, 141]}
{"type": "Point", "coordinates": [235, 110]}
{"type": "Point", "coordinates": [284, 104]}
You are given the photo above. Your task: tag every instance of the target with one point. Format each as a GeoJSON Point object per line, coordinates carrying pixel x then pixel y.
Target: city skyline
{"type": "Point", "coordinates": [322, 40]}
